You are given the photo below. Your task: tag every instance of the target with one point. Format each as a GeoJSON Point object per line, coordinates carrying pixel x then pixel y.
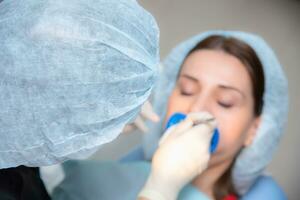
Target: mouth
{"type": "Point", "coordinates": [197, 122]}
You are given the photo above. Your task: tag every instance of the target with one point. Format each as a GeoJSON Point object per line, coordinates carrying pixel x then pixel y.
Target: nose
{"type": "Point", "coordinates": [201, 104]}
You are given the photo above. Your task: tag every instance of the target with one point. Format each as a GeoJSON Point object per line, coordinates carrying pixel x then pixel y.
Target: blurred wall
{"type": "Point", "coordinates": [278, 21]}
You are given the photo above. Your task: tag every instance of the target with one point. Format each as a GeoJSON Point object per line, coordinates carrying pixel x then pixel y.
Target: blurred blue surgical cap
{"type": "Point", "coordinates": [72, 74]}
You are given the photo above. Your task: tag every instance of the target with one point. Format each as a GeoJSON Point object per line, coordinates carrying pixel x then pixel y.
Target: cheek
{"type": "Point", "coordinates": [177, 103]}
{"type": "Point", "coordinates": [233, 128]}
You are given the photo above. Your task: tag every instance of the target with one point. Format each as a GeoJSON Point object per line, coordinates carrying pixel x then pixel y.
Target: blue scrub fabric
{"type": "Point", "coordinates": [93, 180]}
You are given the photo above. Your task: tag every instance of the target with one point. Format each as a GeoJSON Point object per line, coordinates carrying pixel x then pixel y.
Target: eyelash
{"type": "Point", "coordinates": [225, 105]}
{"type": "Point", "coordinates": [185, 94]}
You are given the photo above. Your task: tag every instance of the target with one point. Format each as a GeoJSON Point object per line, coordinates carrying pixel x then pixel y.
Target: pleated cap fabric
{"type": "Point", "coordinates": [72, 74]}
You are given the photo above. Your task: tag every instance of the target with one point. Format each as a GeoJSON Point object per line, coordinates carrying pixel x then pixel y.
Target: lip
{"type": "Point", "coordinates": [177, 117]}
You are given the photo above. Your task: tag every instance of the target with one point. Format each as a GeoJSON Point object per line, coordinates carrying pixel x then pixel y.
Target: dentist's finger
{"type": "Point", "coordinates": [176, 130]}
{"type": "Point", "coordinates": [140, 124]}
{"type": "Point", "coordinates": [148, 113]}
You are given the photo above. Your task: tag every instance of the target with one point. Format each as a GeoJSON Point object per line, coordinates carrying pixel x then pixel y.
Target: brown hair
{"type": "Point", "coordinates": [242, 51]}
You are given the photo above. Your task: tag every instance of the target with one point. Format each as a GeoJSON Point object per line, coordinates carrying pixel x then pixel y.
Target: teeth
{"type": "Point", "coordinates": [209, 120]}
{"type": "Point", "coordinates": [197, 122]}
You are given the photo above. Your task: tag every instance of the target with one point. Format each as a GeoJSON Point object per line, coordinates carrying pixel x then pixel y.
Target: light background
{"type": "Point", "coordinates": [277, 21]}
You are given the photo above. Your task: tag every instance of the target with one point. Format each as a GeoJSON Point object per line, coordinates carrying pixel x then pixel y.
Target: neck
{"type": "Point", "coordinates": [206, 181]}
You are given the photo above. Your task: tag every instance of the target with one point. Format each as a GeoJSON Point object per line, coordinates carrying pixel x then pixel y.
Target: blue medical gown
{"type": "Point", "coordinates": [89, 180]}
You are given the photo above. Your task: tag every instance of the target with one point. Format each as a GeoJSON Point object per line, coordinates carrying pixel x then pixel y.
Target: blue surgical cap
{"type": "Point", "coordinates": [72, 74]}
{"type": "Point", "coordinates": [252, 161]}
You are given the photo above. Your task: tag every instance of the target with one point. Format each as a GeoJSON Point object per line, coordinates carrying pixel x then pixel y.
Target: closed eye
{"type": "Point", "coordinates": [225, 105]}
{"type": "Point", "coordinates": [186, 93]}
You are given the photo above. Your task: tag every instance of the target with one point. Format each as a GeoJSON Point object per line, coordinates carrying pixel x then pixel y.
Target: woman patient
{"type": "Point", "coordinates": [222, 78]}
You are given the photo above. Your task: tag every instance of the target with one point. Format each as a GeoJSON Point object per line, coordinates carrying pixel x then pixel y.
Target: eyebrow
{"type": "Point", "coordinates": [190, 77]}
{"type": "Point", "coordinates": [227, 87]}
{"type": "Point", "coordinates": [232, 88]}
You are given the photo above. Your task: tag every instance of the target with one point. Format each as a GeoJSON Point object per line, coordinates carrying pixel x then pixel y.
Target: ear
{"type": "Point", "coordinates": [252, 131]}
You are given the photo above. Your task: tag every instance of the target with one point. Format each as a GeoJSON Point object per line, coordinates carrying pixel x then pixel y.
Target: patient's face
{"type": "Point", "coordinates": [219, 83]}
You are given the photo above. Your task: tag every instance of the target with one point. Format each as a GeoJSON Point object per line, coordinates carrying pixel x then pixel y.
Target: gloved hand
{"type": "Point", "coordinates": [183, 154]}
{"type": "Point", "coordinates": [146, 113]}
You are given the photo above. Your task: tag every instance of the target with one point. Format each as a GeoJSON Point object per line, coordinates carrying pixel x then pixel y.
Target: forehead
{"type": "Point", "coordinates": [217, 67]}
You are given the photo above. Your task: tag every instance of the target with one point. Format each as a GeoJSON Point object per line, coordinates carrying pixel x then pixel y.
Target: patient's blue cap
{"type": "Point", "coordinates": [252, 160]}
{"type": "Point", "coordinates": [72, 74]}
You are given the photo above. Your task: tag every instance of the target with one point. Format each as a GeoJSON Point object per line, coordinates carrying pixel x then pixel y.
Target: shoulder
{"type": "Point", "coordinates": [265, 187]}
{"type": "Point", "coordinates": [21, 183]}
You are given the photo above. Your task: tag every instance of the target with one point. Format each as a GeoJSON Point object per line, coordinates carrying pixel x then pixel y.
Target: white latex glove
{"type": "Point", "coordinates": [182, 155]}
{"type": "Point", "coordinates": [147, 113]}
